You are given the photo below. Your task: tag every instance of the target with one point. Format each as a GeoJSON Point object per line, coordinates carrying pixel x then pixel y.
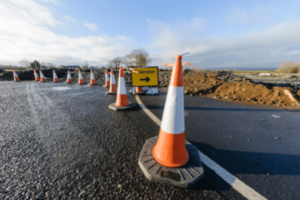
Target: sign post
{"type": "Point", "coordinates": [147, 76]}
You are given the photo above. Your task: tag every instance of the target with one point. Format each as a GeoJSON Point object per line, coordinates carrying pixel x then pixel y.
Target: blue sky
{"type": "Point", "coordinates": [219, 34]}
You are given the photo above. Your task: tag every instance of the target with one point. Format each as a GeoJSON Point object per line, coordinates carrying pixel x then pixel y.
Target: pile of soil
{"type": "Point", "coordinates": [234, 88]}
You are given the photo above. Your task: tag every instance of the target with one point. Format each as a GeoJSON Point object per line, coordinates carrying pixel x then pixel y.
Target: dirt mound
{"type": "Point", "coordinates": [234, 88]}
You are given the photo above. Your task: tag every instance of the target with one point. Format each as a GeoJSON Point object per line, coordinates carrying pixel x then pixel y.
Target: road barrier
{"type": "Point", "coordinates": [169, 158]}
{"type": "Point", "coordinates": [16, 78]}
{"type": "Point", "coordinates": [107, 82]}
{"type": "Point", "coordinates": [113, 87]}
{"type": "Point", "coordinates": [80, 79]}
{"type": "Point", "coordinates": [36, 76]}
{"type": "Point", "coordinates": [43, 79]}
{"type": "Point", "coordinates": [139, 91]}
{"type": "Point", "coordinates": [55, 79]}
{"type": "Point", "coordinates": [122, 102]}
{"type": "Point", "coordinates": [69, 79]}
{"type": "Point", "coordinates": [92, 79]}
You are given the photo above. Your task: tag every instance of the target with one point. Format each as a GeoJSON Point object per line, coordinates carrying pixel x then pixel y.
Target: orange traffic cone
{"type": "Point", "coordinates": [113, 87]}
{"type": "Point", "coordinates": [107, 82]}
{"type": "Point", "coordinates": [55, 78]}
{"type": "Point", "coordinates": [167, 159]}
{"type": "Point", "coordinates": [36, 76]}
{"type": "Point", "coordinates": [122, 99]}
{"type": "Point", "coordinates": [42, 76]}
{"type": "Point", "coordinates": [139, 91]}
{"type": "Point", "coordinates": [69, 79]}
{"type": "Point", "coordinates": [16, 78]}
{"type": "Point", "coordinates": [80, 79]}
{"type": "Point", "coordinates": [170, 148]}
{"type": "Point", "coordinates": [92, 79]}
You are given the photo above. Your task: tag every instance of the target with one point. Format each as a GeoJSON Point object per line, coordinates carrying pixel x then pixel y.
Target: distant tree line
{"type": "Point", "coordinates": [136, 58]}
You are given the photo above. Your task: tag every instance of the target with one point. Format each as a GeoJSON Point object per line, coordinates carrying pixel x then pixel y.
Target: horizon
{"type": "Point", "coordinates": [220, 35]}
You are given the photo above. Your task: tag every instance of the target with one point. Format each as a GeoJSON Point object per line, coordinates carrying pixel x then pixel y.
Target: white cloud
{"type": "Point", "coordinates": [269, 48]}
{"type": "Point", "coordinates": [91, 26]}
{"type": "Point", "coordinates": [25, 35]}
{"type": "Point", "coordinates": [68, 18]}
{"type": "Point", "coordinates": [49, 1]}
{"type": "Point", "coordinates": [238, 15]}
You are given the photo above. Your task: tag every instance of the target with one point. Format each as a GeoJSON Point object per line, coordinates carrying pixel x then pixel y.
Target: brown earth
{"type": "Point", "coordinates": [239, 90]}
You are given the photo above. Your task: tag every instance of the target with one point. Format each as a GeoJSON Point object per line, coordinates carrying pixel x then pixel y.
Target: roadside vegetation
{"type": "Point", "coordinates": [289, 67]}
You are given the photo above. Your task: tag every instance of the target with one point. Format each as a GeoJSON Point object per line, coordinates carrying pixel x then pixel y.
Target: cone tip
{"type": "Point", "coordinates": [178, 57]}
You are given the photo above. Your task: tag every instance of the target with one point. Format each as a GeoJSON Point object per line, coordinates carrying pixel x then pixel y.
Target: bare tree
{"type": "Point", "coordinates": [35, 65]}
{"type": "Point", "coordinates": [115, 63]}
{"type": "Point", "coordinates": [85, 65]}
{"type": "Point", "coordinates": [129, 60]}
{"type": "Point", "coordinates": [138, 57]}
{"type": "Point", "coordinates": [25, 63]}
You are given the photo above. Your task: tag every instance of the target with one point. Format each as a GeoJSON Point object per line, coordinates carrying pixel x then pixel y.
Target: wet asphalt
{"type": "Point", "coordinates": [260, 145]}
{"type": "Point", "coordinates": [60, 141]}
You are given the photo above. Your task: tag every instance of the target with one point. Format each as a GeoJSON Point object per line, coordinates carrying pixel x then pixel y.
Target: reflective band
{"type": "Point", "coordinates": [173, 117]}
{"type": "Point", "coordinates": [112, 79]}
{"type": "Point", "coordinates": [121, 86]}
{"type": "Point", "coordinates": [92, 76]}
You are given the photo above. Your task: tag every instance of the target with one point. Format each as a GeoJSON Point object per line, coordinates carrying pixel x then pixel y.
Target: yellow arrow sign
{"type": "Point", "coordinates": [146, 77]}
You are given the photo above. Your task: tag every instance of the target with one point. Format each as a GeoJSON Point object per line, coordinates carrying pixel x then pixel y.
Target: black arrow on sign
{"type": "Point", "coordinates": [146, 79]}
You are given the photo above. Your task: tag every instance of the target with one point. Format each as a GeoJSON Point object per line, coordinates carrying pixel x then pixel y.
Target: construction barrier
{"type": "Point", "coordinates": [107, 82]}
{"type": "Point", "coordinates": [43, 79]}
{"type": "Point", "coordinates": [113, 87]}
{"type": "Point", "coordinates": [92, 79]}
{"type": "Point", "coordinates": [167, 159]}
{"type": "Point", "coordinates": [80, 79]}
{"type": "Point", "coordinates": [36, 76]}
{"type": "Point", "coordinates": [55, 79]}
{"type": "Point", "coordinates": [16, 78]}
{"type": "Point", "coordinates": [122, 102]}
{"type": "Point", "coordinates": [69, 79]}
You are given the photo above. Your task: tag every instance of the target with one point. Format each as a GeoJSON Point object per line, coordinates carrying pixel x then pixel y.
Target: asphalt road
{"type": "Point", "coordinates": [260, 145]}
{"type": "Point", "coordinates": [60, 141]}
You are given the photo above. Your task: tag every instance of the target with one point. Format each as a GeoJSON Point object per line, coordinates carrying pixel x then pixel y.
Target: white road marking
{"type": "Point", "coordinates": [61, 88]}
{"type": "Point", "coordinates": [67, 88]}
{"type": "Point", "coordinates": [275, 116]}
{"type": "Point", "coordinates": [236, 183]}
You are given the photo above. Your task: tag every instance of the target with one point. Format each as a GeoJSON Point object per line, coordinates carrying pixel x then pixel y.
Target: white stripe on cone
{"type": "Point", "coordinates": [36, 75]}
{"type": "Point", "coordinates": [42, 75]}
{"type": "Point", "coordinates": [173, 116]}
{"type": "Point", "coordinates": [112, 79]}
{"type": "Point", "coordinates": [121, 86]}
{"type": "Point", "coordinates": [80, 76]}
{"type": "Point", "coordinates": [69, 75]}
{"type": "Point", "coordinates": [54, 74]}
{"type": "Point", "coordinates": [106, 77]}
{"type": "Point", "coordinates": [92, 76]}
{"type": "Point", "coordinates": [16, 75]}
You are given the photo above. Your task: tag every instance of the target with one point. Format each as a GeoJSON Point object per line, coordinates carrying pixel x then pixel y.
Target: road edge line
{"type": "Point", "coordinates": [236, 183]}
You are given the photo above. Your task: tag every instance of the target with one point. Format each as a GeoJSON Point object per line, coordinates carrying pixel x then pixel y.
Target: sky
{"type": "Point", "coordinates": [219, 34]}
